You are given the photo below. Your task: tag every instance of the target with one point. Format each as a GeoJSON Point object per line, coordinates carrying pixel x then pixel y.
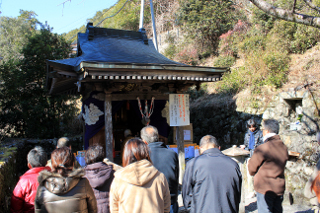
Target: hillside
{"type": "Point", "coordinates": [265, 54]}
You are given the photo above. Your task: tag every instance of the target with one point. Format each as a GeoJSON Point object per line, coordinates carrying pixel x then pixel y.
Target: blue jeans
{"type": "Point", "coordinates": [269, 203]}
{"type": "Point", "coordinates": [174, 208]}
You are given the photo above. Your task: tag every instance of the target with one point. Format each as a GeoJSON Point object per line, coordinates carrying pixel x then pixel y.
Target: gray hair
{"type": "Point", "coordinates": [149, 134]}
{"type": "Point", "coordinates": [209, 139]}
{"type": "Point", "coordinates": [127, 133]}
{"type": "Point", "coordinates": [62, 142]}
{"type": "Point", "coordinates": [37, 157]}
{"type": "Point", "coordinates": [94, 154]}
{"type": "Point", "coordinates": [271, 125]}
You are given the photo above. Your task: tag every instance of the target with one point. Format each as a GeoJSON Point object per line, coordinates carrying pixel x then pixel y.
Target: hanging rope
{"type": "Point", "coordinates": [147, 113]}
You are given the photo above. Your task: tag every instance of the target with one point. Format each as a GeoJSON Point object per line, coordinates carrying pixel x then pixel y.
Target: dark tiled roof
{"type": "Point", "coordinates": [115, 46]}
{"type": "Point", "coordinates": [109, 55]}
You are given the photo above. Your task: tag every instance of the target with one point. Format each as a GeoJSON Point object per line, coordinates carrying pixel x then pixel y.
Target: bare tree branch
{"type": "Point", "coordinates": [287, 15]}
{"type": "Point", "coordinates": [63, 2]}
{"type": "Point", "coordinates": [309, 3]}
{"type": "Point", "coordinates": [294, 6]}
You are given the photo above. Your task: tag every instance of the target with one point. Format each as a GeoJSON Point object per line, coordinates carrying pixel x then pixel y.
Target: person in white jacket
{"type": "Point", "coordinates": [139, 187]}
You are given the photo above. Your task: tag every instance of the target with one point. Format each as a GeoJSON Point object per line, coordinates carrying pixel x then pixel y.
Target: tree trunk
{"type": "Point", "coordinates": [287, 15]}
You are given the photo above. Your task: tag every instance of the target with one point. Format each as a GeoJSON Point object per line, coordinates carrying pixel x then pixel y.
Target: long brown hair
{"type": "Point", "coordinates": [62, 160]}
{"type": "Point", "coordinates": [135, 150]}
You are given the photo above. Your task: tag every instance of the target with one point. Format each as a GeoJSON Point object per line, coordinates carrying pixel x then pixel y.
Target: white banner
{"type": "Point", "coordinates": [179, 109]}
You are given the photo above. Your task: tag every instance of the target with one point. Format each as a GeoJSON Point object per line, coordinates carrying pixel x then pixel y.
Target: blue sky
{"type": "Point", "coordinates": [62, 18]}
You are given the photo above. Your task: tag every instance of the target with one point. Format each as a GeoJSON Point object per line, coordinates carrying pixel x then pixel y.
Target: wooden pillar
{"type": "Point", "coordinates": [180, 143]}
{"type": "Point", "coordinates": [108, 126]}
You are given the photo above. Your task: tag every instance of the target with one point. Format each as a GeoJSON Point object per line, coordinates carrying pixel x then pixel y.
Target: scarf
{"type": "Point", "coordinates": [251, 140]}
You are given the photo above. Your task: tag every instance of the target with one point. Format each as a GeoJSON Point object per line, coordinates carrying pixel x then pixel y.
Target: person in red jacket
{"type": "Point", "coordinates": [24, 193]}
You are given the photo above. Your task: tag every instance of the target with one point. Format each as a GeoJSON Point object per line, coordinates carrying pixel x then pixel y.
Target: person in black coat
{"type": "Point", "coordinates": [100, 176]}
{"type": "Point", "coordinates": [212, 181]}
{"type": "Point", "coordinates": [165, 160]}
{"type": "Point", "coordinates": [253, 137]}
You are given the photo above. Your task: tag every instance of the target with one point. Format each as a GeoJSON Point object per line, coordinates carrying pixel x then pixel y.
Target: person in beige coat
{"type": "Point", "coordinates": [139, 187]}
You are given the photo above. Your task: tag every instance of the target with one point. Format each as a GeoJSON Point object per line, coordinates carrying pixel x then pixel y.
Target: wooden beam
{"type": "Point", "coordinates": [108, 126]}
{"type": "Point", "coordinates": [181, 155]}
{"type": "Point", "coordinates": [133, 96]}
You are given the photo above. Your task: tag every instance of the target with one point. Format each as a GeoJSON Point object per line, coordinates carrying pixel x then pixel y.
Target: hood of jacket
{"type": "Point", "coordinates": [98, 174]}
{"type": "Point", "coordinates": [57, 184]}
{"type": "Point", "coordinates": [138, 173]}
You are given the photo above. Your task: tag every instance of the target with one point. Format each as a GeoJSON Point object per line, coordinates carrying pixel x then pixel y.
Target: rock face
{"type": "Point", "coordinates": [222, 121]}
{"type": "Point", "coordinates": [297, 113]}
{"type": "Point", "coordinates": [13, 162]}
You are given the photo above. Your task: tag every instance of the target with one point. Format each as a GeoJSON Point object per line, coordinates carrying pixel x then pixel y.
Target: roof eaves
{"type": "Point", "coordinates": [129, 66]}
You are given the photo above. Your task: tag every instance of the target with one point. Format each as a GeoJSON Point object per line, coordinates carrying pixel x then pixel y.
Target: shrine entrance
{"type": "Point", "coordinates": [128, 116]}
{"type": "Point", "coordinates": [115, 67]}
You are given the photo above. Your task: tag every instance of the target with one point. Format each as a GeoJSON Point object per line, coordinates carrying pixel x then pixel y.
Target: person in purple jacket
{"type": "Point", "coordinates": [100, 176]}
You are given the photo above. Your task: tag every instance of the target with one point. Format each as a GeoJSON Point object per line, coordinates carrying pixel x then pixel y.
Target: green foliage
{"type": "Point", "coordinates": [278, 66]}
{"type": "Point", "coordinates": [195, 93]}
{"type": "Point", "coordinates": [26, 110]}
{"type": "Point", "coordinates": [304, 38]}
{"type": "Point", "coordinates": [253, 41]}
{"type": "Point", "coordinates": [126, 19]}
{"type": "Point", "coordinates": [207, 20]}
{"type": "Point", "coordinates": [224, 61]}
{"type": "Point", "coordinates": [170, 51]}
{"type": "Point", "coordinates": [14, 33]}
{"type": "Point", "coordinates": [262, 19]}
{"type": "Point", "coordinates": [260, 68]}
{"type": "Point", "coordinates": [264, 47]}
{"type": "Point", "coordinates": [295, 38]}
{"type": "Point", "coordinates": [233, 81]}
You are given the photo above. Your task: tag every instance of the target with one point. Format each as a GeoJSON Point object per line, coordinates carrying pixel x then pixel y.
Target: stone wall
{"type": "Point", "coordinates": [220, 120]}
{"type": "Point", "coordinates": [297, 113]}
{"type": "Point", "coordinates": [8, 177]}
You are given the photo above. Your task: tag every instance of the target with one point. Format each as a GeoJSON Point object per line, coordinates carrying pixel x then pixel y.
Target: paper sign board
{"type": "Point", "coordinates": [187, 134]}
{"type": "Point", "coordinates": [179, 109]}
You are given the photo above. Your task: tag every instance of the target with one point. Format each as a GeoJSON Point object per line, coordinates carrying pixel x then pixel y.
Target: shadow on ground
{"type": "Point", "coordinates": [307, 211]}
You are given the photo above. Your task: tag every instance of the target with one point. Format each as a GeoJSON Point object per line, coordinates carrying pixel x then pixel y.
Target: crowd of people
{"type": "Point", "coordinates": [148, 180]}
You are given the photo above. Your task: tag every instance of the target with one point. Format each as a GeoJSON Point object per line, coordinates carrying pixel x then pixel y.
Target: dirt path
{"type": "Point", "coordinates": [251, 207]}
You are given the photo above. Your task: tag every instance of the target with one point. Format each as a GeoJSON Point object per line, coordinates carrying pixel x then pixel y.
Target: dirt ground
{"type": "Point", "coordinates": [251, 207]}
